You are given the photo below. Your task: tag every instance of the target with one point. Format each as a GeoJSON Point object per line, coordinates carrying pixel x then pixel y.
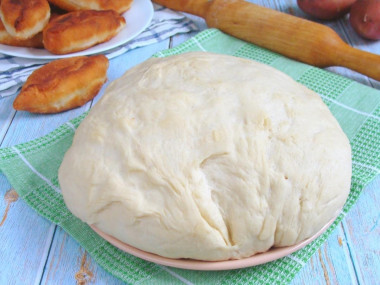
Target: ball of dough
{"type": "Point", "coordinates": [208, 157]}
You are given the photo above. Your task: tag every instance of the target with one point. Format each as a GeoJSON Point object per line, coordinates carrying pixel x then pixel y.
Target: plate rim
{"type": "Point", "coordinates": [25, 52]}
{"type": "Point", "coordinates": [192, 264]}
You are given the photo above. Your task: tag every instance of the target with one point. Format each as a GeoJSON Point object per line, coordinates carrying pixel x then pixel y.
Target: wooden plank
{"type": "Point", "coordinates": [362, 231]}
{"type": "Point", "coordinates": [68, 263]}
{"type": "Point", "coordinates": [6, 114]}
{"type": "Point", "coordinates": [351, 254]}
{"type": "Point", "coordinates": [331, 264]}
{"type": "Point", "coordinates": [24, 238]}
{"type": "Point", "coordinates": [26, 126]}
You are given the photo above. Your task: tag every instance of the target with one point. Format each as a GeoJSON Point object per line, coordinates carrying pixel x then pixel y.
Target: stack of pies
{"type": "Point", "coordinates": [77, 26]}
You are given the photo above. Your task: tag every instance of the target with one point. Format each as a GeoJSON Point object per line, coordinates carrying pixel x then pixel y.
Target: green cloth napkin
{"type": "Point", "coordinates": [32, 167]}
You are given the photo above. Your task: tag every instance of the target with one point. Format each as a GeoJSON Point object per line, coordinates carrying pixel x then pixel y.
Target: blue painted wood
{"type": "Point", "coordinates": [358, 238]}
{"type": "Point", "coordinates": [68, 263]}
{"type": "Point", "coordinates": [34, 235]}
{"type": "Point", "coordinates": [24, 242]}
{"type": "Point", "coordinates": [330, 265]}
{"type": "Point", "coordinates": [34, 251]}
{"type": "Point", "coordinates": [26, 126]}
{"type": "Point", "coordinates": [362, 229]}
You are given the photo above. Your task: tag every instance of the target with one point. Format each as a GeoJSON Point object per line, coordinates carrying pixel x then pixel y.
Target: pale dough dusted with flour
{"type": "Point", "coordinates": [208, 157]}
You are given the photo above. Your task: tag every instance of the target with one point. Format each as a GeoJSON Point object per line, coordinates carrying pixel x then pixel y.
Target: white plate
{"type": "Point", "coordinates": [138, 17]}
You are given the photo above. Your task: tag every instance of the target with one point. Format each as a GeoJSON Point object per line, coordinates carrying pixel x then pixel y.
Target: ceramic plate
{"type": "Point", "coordinates": [138, 17]}
{"type": "Point", "coordinates": [257, 259]}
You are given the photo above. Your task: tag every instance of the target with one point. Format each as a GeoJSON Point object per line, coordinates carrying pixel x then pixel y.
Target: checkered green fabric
{"type": "Point", "coordinates": [32, 167]}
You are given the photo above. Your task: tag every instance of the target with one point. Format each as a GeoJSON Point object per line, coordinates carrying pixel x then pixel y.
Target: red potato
{"type": "Point", "coordinates": [365, 18]}
{"type": "Point", "coordinates": [325, 9]}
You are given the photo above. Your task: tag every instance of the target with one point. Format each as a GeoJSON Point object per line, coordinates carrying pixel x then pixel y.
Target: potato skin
{"type": "Point", "coordinates": [365, 18]}
{"type": "Point", "coordinates": [325, 9]}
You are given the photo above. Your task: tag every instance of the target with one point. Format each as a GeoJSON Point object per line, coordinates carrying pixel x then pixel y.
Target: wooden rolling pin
{"type": "Point", "coordinates": [294, 37]}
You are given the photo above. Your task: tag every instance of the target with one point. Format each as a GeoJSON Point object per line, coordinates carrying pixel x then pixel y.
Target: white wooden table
{"type": "Point", "coordinates": [34, 251]}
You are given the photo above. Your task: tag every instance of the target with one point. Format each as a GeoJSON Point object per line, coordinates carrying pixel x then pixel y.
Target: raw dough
{"type": "Point", "coordinates": [209, 157]}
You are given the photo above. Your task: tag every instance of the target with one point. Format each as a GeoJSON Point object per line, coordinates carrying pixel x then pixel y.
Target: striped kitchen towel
{"type": "Point", "coordinates": [165, 23]}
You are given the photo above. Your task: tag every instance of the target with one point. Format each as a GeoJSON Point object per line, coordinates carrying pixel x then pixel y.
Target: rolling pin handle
{"type": "Point", "coordinates": [361, 61]}
{"type": "Point", "coordinates": [294, 37]}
